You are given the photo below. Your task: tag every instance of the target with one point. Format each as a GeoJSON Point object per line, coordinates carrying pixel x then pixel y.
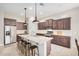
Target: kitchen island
{"type": "Point", "coordinates": [44, 43]}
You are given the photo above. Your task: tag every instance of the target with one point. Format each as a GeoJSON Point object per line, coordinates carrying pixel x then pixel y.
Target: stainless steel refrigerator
{"type": "Point", "coordinates": [10, 34]}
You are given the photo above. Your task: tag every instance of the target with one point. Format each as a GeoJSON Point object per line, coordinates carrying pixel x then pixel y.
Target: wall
{"type": "Point", "coordinates": [74, 32]}
{"type": "Point", "coordinates": [32, 27]}
{"type": "Point", "coordinates": [1, 30]}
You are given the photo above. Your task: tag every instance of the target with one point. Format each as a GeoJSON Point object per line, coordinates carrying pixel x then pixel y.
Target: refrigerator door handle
{"type": "Point", "coordinates": [10, 34]}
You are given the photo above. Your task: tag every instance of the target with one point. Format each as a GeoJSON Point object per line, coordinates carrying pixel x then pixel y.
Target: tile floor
{"type": "Point", "coordinates": [11, 50]}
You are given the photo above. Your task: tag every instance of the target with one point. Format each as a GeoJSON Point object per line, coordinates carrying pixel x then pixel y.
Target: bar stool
{"type": "Point", "coordinates": [27, 46]}
{"type": "Point", "coordinates": [18, 42]}
{"type": "Point", "coordinates": [22, 46]}
{"type": "Point", "coordinates": [32, 50]}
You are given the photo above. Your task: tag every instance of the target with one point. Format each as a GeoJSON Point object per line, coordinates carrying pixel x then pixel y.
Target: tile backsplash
{"type": "Point", "coordinates": [58, 32]}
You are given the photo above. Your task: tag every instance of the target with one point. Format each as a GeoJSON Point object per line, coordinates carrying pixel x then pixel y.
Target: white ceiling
{"type": "Point", "coordinates": [43, 11]}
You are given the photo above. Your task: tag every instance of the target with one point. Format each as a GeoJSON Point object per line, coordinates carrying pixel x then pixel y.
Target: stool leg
{"type": "Point", "coordinates": [29, 49]}
{"type": "Point", "coordinates": [26, 50]}
{"type": "Point", "coordinates": [34, 52]}
{"type": "Point", "coordinates": [38, 51]}
{"type": "Point", "coordinates": [31, 52]}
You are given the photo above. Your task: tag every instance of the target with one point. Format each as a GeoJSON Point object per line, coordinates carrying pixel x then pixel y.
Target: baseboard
{"type": "Point", "coordinates": [9, 43]}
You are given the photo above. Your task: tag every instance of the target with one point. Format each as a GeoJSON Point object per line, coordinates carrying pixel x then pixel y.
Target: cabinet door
{"type": "Point", "coordinates": [49, 23]}
{"type": "Point", "coordinates": [55, 25]}
{"type": "Point", "coordinates": [6, 22]}
{"type": "Point", "coordinates": [20, 26]}
{"type": "Point", "coordinates": [11, 22]}
{"type": "Point", "coordinates": [60, 24]}
{"type": "Point", "coordinates": [40, 26]}
{"type": "Point", "coordinates": [43, 25]}
{"type": "Point", "coordinates": [46, 24]}
{"type": "Point", "coordinates": [67, 24]}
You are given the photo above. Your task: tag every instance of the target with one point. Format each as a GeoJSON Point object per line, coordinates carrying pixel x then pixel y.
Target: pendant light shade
{"type": "Point", "coordinates": [25, 16]}
{"type": "Point", "coordinates": [36, 20]}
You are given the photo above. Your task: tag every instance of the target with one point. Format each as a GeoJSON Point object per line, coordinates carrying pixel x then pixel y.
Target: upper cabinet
{"type": "Point", "coordinates": [42, 25]}
{"type": "Point", "coordinates": [58, 24]}
{"type": "Point", "coordinates": [20, 26]}
{"type": "Point", "coordinates": [45, 25]}
{"type": "Point", "coordinates": [67, 23]}
{"type": "Point", "coordinates": [55, 25]}
{"type": "Point", "coordinates": [11, 22]}
{"type": "Point", "coordinates": [64, 24]}
{"type": "Point", "coordinates": [49, 23]}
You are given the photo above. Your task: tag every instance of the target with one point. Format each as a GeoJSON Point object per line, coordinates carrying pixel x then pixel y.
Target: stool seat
{"type": "Point", "coordinates": [27, 46]}
{"type": "Point", "coordinates": [33, 47]}
{"type": "Point", "coordinates": [27, 43]}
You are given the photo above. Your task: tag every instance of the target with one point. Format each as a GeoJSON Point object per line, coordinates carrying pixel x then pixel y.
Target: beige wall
{"type": "Point", "coordinates": [1, 30]}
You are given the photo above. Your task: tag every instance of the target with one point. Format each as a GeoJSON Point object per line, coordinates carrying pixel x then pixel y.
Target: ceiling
{"type": "Point", "coordinates": [44, 10]}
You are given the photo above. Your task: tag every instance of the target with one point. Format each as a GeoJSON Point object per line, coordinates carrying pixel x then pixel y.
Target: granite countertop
{"type": "Point", "coordinates": [36, 38]}
{"type": "Point", "coordinates": [21, 34]}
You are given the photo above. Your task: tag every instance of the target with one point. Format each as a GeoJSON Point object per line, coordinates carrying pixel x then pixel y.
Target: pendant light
{"type": "Point", "coordinates": [25, 16]}
{"type": "Point", "coordinates": [36, 20]}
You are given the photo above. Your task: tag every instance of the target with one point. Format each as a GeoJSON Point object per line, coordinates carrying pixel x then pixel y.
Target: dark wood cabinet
{"type": "Point", "coordinates": [61, 40]}
{"type": "Point", "coordinates": [67, 23]}
{"type": "Point", "coordinates": [59, 24]}
{"type": "Point", "coordinates": [45, 25]}
{"type": "Point", "coordinates": [11, 22]}
{"type": "Point", "coordinates": [40, 26]}
{"type": "Point", "coordinates": [55, 25]}
{"type": "Point", "coordinates": [63, 24]}
{"type": "Point", "coordinates": [49, 23]}
{"type": "Point", "coordinates": [20, 26]}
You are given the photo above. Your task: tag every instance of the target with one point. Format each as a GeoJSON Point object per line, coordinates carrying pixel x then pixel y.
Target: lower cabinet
{"type": "Point", "coordinates": [61, 41]}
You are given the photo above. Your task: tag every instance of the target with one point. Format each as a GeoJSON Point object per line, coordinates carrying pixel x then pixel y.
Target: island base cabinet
{"type": "Point", "coordinates": [45, 48]}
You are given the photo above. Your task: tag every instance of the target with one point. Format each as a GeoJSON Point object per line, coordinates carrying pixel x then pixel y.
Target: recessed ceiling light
{"type": "Point", "coordinates": [30, 8]}
{"type": "Point", "coordinates": [41, 13]}
{"type": "Point", "coordinates": [22, 14]}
